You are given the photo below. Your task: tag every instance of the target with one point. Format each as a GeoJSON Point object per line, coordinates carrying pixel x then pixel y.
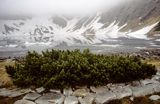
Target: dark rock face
{"type": "Point", "coordinates": [60, 21]}
{"type": "Point", "coordinates": [8, 29]}
{"type": "Point", "coordinates": [157, 28]}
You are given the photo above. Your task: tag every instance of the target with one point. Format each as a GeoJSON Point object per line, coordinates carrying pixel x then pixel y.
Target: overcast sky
{"type": "Point", "coordinates": [39, 7]}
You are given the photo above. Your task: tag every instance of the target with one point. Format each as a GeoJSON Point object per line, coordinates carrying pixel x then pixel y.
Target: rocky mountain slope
{"type": "Point", "coordinates": [136, 13]}
{"type": "Point", "coordinates": [132, 19]}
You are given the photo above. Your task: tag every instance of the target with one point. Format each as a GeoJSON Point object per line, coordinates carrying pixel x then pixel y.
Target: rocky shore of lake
{"type": "Point", "coordinates": [143, 53]}
{"type": "Point", "coordinates": [148, 53]}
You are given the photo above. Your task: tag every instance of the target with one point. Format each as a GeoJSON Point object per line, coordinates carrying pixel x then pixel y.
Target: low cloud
{"type": "Point", "coordinates": [46, 7]}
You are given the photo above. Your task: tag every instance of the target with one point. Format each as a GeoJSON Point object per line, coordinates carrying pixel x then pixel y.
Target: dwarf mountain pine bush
{"type": "Point", "coordinates": [60, 69]}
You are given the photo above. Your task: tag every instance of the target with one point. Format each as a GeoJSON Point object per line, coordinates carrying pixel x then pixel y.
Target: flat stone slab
{"type": "Point", "coordinates": [123, 92]}
{"type": "Point", "coordinates": [142, 91]}
{"type": "Point", "coordinates": [50, 98]}
{"type": "Point", "coordinates": [32, 96]}
{"type": "Point", "coordinates": [5, 92]}
{"type": "Point", "coordinates": [154, 97]}
{"type": "Point", "coordinates": [55, 91]}
{"type": "Point", "coordinates": [57, 100]}
{"type": "Point", "coordinates": [80, 92]}
{"type": "Point", "coordinates": [99, 89]}
{"type": "Point", "coordinates": [19, 92]}
{"type": "Point", "coordinates": [67, 92]}
{"type": "Point", "coordinates": [136, 84]}
{"type": "Point", "coordinates": [149, 81]}
{"type": "Point", "coordinates": [146, 82]}
{"type": "Point", "coordinates": [158, 72]}
{"type": "Point", "coordinates": [24, 102]}
{"type": "Point", "coordinates": [88, 99]}
{"type": "Point", "coordinates": [71, 100]}
{"type": "Point", "coordinates": [115, 86]}
{"type": "Point", "coordinates": [156, 78]}
{"type": "Point", "coordinates": [40, 90]}
{"type": "Point", "coordinates": [13, 92]}
{"type": "Point", "coordinates": [157, 88]}
{"type": "Point", "coordinates": [105, 97]}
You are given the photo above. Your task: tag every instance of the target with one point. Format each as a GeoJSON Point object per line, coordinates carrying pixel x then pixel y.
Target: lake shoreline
{"type": "Point", "coordinates": [142, 53]}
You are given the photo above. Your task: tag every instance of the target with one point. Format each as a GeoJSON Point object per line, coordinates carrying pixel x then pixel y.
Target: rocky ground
{"type": "Point", "coordinates": [145, 91]}
{"type": "Point", "coordinates": [149, 53]}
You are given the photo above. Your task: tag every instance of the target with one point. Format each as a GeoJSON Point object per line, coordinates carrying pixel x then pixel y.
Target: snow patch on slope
{"type": "Point", "coordinates": [142, 33]}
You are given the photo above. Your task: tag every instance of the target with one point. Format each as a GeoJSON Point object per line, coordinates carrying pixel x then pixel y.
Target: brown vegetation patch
{"type": "Point", "coordinates": [5, 80]}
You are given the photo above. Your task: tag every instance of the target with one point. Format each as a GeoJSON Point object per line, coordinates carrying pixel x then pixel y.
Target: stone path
{"type": "Point", "coordinates": [84, 95]}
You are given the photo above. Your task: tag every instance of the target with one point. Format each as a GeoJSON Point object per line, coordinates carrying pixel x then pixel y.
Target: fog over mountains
{"type": "Point", "coordinates": [67, 7]}
{"type": "Point", "coordinates": [77, 22]}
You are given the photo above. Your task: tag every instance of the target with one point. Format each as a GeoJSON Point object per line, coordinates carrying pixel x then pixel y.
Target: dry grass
{"type": "Point", "coordinates": [153, 62]}
{"type": "Point", "coordinates": [5, 80]}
